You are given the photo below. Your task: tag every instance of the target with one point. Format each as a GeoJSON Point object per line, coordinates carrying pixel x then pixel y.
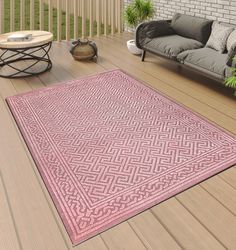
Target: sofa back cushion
{"type": "Point", "coordinates": [231, 40]}
{"type": "Point", "coordinates": [192, 27]}
{"type": "Point", "coordinates": [219, 36]}
{"type": "Point", "coordinates": [159, 28]}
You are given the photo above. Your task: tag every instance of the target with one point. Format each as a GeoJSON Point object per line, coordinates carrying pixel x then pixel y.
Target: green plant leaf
{"type": "Point", "coordinates": [131, 16]}
{"type": "Point", "coordinates": [234, 59]}
{"type": "Point", "coordinates": [138, 11]}
{"type": "Point", "coordinates": [230, 82]}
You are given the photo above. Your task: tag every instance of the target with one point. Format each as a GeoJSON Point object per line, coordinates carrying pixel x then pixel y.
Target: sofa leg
{"type": "Point", "coordinates": [143, 55]}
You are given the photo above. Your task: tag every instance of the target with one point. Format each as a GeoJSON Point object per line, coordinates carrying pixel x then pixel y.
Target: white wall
{"type": "Point", "coordinates": [221, 10]}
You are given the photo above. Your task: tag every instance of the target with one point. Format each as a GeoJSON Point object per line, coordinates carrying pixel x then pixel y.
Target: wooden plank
{"type": "Point", "coordinates": [8, 234]}
{"type": "Point", "coordinates": [2, 16]}
{"type": "Point", "coordinates": [20, 85]}
{"type": "Point", "coordinates": [50, 16]}
{"type": "Point", "coordinates": [29, 206]}
{"type": "Point", "coordinates": [112, 11]}
{"type": "Point", "coordinates": [12, 15]}
{"type": "Point", "coordinates": [41, 15]}
{"type": "Point", "coordinates": [105, 17]}
{"type": "Point", "coordinates": [59, 20]}
{"type": "Point", "coordinates": [222, 191]}
{"type": "Point", "coordinates": [76, 20]}
{"type": "Point", "coordinates": [215, 217]}
{"type": "Point", "coordinates": [122, 237]}
{"type": "Point", "coordinates": [91, 18]}
{"type": "Point", "coordinates": [71, 66]}
{"type": "Point", "coordinates": [22, 14]}
{"type": "Point", "coordinates": [98, 17]}
{"type": "Point", "coordinates": [187, 230]}
{"type": "Point", "coordinates": [122, 19]}
{"type": "Point", "coordinates": [83, 9]}
{"type": "Point", "coordinates": [95, 243]}
{"type": "Point", "coordinates": [67, 20]}
{"type": "Point", "coordinates": [229, 176]}
{"type": "Point", "coordinates": [6, 88]}
{"type": "Point", "coordinates": [106, 64]}
{"type": "Point", "coordinates": [32, 14]}
{"type": "Point", "coordinates": [152, 233]}
{"type": "Point", "coordinates": [35, 82]}
{"type": "Point", "coordinates": [119, 16]}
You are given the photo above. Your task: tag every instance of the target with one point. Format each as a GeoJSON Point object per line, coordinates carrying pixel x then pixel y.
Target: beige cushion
{"type": "Point", "coordinates": [231, 40]}
{"type": "Point", "coordinates": [219, 36]}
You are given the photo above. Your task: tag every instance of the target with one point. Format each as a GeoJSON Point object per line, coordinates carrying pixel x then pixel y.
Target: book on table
{"type": "Point", "coordinates": [19, 37]}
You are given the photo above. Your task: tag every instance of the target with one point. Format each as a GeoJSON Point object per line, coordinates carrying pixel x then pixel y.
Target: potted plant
{"type": "Point", "coordinates": [231, 81]}
{"type": "Point", "coordinates": [135, 13]}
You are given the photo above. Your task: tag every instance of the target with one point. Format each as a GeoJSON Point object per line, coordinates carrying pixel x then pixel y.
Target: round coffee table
{"type": "Point", "coordinates": [34, 51]}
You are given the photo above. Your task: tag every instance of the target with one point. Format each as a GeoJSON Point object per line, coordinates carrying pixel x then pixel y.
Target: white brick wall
{"type": "Point", "coordinates": [221, 10]}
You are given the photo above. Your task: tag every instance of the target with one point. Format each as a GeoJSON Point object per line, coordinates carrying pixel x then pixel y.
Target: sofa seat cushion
{"type": "Point", "coordinates": [171, 46]}
{"type": "Point", "coordinates": [206, 60]}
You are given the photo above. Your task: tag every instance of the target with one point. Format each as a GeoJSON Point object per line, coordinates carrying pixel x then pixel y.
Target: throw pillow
{"type": "Point", "coordinates": [231, 40]}
{"type": "Point", "coordinates": [231, 54]}
{"type": "Point", "coordinates": [218, 37]}
{"type": "Point", "coordinates": [192, 27]}
{"type": "Point", "coordinates": [159, 28]}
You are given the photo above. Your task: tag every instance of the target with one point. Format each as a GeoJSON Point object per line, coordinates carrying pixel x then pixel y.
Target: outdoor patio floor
{"type": "Point", "coordinates": [202, 217]}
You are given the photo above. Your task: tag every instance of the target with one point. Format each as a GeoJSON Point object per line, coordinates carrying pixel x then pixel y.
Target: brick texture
{"type": "Point", "coordinates": [221, 10]}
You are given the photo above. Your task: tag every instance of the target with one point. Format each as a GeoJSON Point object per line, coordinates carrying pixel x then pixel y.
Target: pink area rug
{"type": "Point", "coordinates": [109, 147]}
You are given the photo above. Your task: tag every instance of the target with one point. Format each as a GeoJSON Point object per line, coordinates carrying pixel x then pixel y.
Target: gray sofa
{"type": "Point", "coordinates": [183, 39]}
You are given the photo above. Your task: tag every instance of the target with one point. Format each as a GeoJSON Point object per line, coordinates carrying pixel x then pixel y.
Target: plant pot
{"type": "Point", "coordinates": [133, 48]}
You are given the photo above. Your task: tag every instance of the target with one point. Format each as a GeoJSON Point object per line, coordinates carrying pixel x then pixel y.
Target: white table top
{"type": "Point", "coordinates": [39, 38]}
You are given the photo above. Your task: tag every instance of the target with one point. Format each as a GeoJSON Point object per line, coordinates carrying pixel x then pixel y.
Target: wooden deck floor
{"type": "Point", "coordinates": [202, 217]}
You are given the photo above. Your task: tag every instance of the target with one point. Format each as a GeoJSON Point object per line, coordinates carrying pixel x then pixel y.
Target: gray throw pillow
{"type": "Point", "coordinates": [219, 36]}
{"type": "Point", "coordinates": [159, 28]}
{"type": "Point", "coordinates": [231, 54]}
{"type": "Point", "coordinates": [231, 40]}
{"type": "Point", "coordinates": [192, 27]}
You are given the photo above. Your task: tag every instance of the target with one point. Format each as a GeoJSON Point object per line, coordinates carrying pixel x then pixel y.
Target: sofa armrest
{"type": "Point", "coordinates": [231, 55]}
{"type": "Point", "coordinates": [148, 30]}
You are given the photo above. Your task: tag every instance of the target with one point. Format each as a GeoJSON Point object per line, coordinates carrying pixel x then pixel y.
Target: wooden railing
{"type": "Point", "coordinates": [67, 19]}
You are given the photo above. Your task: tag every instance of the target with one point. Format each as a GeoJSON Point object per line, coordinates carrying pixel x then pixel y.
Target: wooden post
{"type": "Point", "coordinates": [58, 20]}
{"type": "Point", "coordinates": [113, 17]}
{"type": "Point", "coordinates": [41, 15]}
{"type": "Point", "coordinates": [91, 19]}
{"type": "Point", "coordinates": [83, 9]}
{"type": "Point", "coordinates": [50, 16]}
{"type": "Point", "coordinates": [119, 17]}
{"type": "Point", "coordinates": [22, 14]}
{"type": "Point", "coordinates": [32, 14]}
{"type": "Point", "coordinates": [67, 20]}
{"type": "Point", "coordinates": [105, 17]}
{"type": "Point", "coordinates": [2, 22]}
{"type": "Point", "coordinates": [76, 20]}
{"type": "Point", "coordinates": [98, 14]}
{"type": "Point", "coordinates": [12, 15]}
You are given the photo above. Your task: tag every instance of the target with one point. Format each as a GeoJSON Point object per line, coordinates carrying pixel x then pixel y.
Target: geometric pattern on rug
{"type": "Point", "coordinates": [108, 147]}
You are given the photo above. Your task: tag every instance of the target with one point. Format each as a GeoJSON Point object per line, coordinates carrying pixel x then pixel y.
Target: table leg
{"type": "Point", "coordinates": [29, 53]}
